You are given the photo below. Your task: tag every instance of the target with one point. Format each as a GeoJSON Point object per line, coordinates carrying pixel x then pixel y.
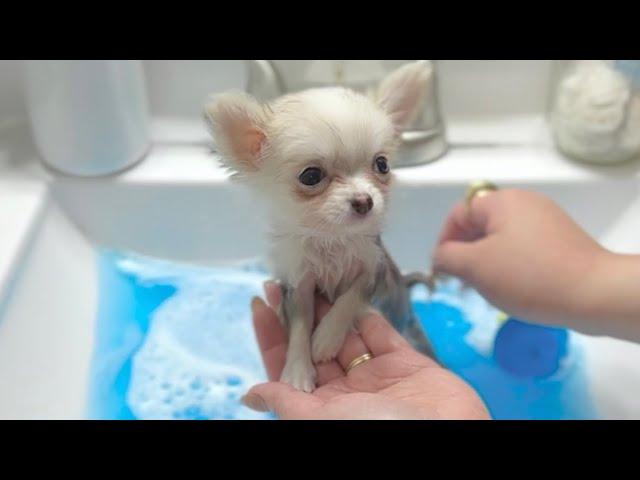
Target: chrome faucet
{"type": "Point", "coordinates": [423, 142]}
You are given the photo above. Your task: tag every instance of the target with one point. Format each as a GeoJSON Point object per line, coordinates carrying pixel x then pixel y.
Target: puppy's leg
{"type": "Point", "coordinates": [297, 310]}
{"type": "Point", "coordinates": [394, 300]}
{"type": "Point", "coordinates": [333, 328]}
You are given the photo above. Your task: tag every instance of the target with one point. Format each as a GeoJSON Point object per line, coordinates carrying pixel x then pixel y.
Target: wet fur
{"type": "Point", "coordinates": [317, 243]}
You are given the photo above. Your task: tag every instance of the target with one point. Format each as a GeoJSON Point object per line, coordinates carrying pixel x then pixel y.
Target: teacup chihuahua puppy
{"type": "Point", "coordinates": [321, 160]}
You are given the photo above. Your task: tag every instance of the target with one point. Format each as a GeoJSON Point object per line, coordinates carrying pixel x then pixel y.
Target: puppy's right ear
{"type": "Point", "coordinates": [237, 124]}
{"type": "Point", "coordinates": [400, 94]}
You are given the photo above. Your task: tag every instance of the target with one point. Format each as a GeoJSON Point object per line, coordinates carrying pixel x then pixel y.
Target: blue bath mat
{"type": "Point", "coordinates": [175, 342]}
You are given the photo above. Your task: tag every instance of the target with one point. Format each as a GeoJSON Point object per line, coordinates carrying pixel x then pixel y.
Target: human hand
{"type": "Point", "coordinates": [398, 383]}
{"type": "Point", "coordinates": [526, 256]}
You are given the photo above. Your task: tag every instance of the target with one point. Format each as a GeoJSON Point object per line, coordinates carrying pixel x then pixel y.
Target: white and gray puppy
{"type": "Point", "coordinates": [321, 159]}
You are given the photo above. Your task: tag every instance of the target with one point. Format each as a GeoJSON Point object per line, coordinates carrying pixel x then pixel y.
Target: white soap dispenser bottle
{"type": "Point", "coordinates": [88, 117]}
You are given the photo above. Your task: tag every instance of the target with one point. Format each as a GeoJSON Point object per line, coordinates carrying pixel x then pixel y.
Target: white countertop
{"type": "Point", "coordinates": [514, 150]}
{"type": "Point", "coordinates": [22, 194]}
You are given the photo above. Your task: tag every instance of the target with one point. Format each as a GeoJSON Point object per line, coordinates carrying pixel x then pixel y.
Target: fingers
{"type": "Point", "coordinates": [463, 235]}
{"type": "Point", "coordinates": [354, 346]}
{"type": "Point", "coordinates": [375, 335]}
{"type": "Point", "coordinates": [466, 225]}
{"type": "Point", "coordinates": [272, 340]}
{"type": "Point", "coordinates": [456, 258]}
{"type": "Point", "coordinates": [485, 210]}
{"type": "Point", "coordinates": [327, 372]}
{"type": "Point", "coordinates": [379, 336]}
{"type": "Point", "coordinates": [283, 400]}
{"type": "Point", "coordinates": [458, 226]}
{"type": "Point", "coordinates": [273, 293]}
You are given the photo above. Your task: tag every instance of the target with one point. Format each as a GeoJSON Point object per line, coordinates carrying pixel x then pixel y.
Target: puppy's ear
{"type": "Point", "coordinates": [237, 124]}
{"type": "Point", "coordinates": [401, 93]}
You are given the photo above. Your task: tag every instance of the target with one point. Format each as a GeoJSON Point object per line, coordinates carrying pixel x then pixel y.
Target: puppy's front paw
{"type": "Point", "coordinates": [326, 342]}
{"type": "Point", "coordinates": [301, 375]}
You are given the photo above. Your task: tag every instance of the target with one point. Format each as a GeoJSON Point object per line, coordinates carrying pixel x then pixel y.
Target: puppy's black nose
{"type": "Point", "coordinates": [361, 204]}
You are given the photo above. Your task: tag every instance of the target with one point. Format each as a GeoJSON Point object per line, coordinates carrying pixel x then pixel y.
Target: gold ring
{"type": "Point", "coordinates": [358, 361]}
{"type": "Point", "coordinates": [478, 189]}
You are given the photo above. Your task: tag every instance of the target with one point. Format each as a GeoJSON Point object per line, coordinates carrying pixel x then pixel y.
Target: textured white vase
{"type": "Point", "coordinates": [89, 117]}
{"type": "Point", "coordinates": [596, 113]}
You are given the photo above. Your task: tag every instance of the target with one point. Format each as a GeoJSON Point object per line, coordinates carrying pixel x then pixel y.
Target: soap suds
{"type": "Point", "coordinates": [200, 355]}
{"type": "Point", "coordinates": [175, 341]}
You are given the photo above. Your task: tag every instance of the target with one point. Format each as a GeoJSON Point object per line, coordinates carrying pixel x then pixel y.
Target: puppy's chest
{"type": "Point", "coordinates": [334, 264]}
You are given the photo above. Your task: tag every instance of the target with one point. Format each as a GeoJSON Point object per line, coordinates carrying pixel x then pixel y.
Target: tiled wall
{"type": "Point", "coordinates": [493, 87]}
{"type": "Point", "coordinates": [468, 88]}
{"type": "Point", "coordinates": [11, 98]}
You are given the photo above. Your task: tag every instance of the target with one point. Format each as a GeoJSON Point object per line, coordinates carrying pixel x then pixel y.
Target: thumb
{"type": "Point", "coordinates": [455, 258]}
{"type": "Point", "coordinates": [283, 400]}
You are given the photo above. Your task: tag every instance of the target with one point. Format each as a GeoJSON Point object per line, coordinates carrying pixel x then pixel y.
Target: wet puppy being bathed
{"type": "Point", "coordinates": [321, 159]}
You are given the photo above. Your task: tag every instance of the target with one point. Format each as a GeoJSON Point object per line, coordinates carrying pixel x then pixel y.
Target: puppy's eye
{"type": "Point", "coordinates": [311, 176]}
{"type": "Point", "coordinates": [380, 165]}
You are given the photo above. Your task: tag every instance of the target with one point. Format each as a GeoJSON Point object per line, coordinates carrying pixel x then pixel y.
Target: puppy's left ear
{"type": "Point", "coordinates": [401, 93]}
{"type": "Point", "coordinates": [237, 123]}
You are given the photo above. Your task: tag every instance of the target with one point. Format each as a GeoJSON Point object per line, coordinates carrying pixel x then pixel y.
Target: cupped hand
{"type": "Point", "coordinates": [397, 383]}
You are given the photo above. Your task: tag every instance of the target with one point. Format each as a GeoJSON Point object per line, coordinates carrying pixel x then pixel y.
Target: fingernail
{"type": "Point", "coordinates": [272, 293]}
{"type": "Point", "coordinates": [267, 284]}
{"type": "Point", "coordinates": [257, 302]}
{"type": "Point", "coordinates": [370, 310]}
{"type": "Point", "coordinates": [254, 402]}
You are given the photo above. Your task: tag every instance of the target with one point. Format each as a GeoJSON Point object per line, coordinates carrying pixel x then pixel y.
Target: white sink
{"type": "Point", "coordinates": [179, 205]}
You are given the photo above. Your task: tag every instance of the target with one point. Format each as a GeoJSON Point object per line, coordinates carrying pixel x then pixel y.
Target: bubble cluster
{"type": "Point", "coordinates": [199, 355]}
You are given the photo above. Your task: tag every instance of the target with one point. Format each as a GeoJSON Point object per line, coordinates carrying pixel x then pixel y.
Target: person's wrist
{"type": "Point", "coordinates": [607, 302]}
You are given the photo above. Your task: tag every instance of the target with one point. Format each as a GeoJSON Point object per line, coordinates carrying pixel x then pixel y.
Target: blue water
{"type": "Point", "coordinates": [175, 342]}
{"type": "Point", "coordinates": [124, 312]}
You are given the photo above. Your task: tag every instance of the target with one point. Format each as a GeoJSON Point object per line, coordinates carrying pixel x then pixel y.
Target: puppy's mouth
{"type": "Point", "coordinates": [357, 221]}
{"type": "Point", "coordinates": [347, 221]}
{"type": "Point", "coordinates": [358, 218]}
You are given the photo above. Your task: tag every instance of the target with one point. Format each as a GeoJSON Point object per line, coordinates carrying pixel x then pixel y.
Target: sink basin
{"type": "Point", "coordinates": [179, 205]}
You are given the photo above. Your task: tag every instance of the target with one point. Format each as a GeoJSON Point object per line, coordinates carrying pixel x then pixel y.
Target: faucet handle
{"type": "Point", "coordinates": [263, 80]}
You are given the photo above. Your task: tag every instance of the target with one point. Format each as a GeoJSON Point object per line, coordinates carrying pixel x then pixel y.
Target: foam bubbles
{"type": "Point", "coordinates": [199, 355]}
{"type": "Point", "coordinates": [176, 342]}
{"type": "Point", "coordinates": [481, 315]}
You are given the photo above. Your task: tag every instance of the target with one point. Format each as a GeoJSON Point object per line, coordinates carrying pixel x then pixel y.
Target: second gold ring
{"type": "Point", "coordinates": [358, 361]}
{"type": "Point", "coordinates": [477, 189]}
